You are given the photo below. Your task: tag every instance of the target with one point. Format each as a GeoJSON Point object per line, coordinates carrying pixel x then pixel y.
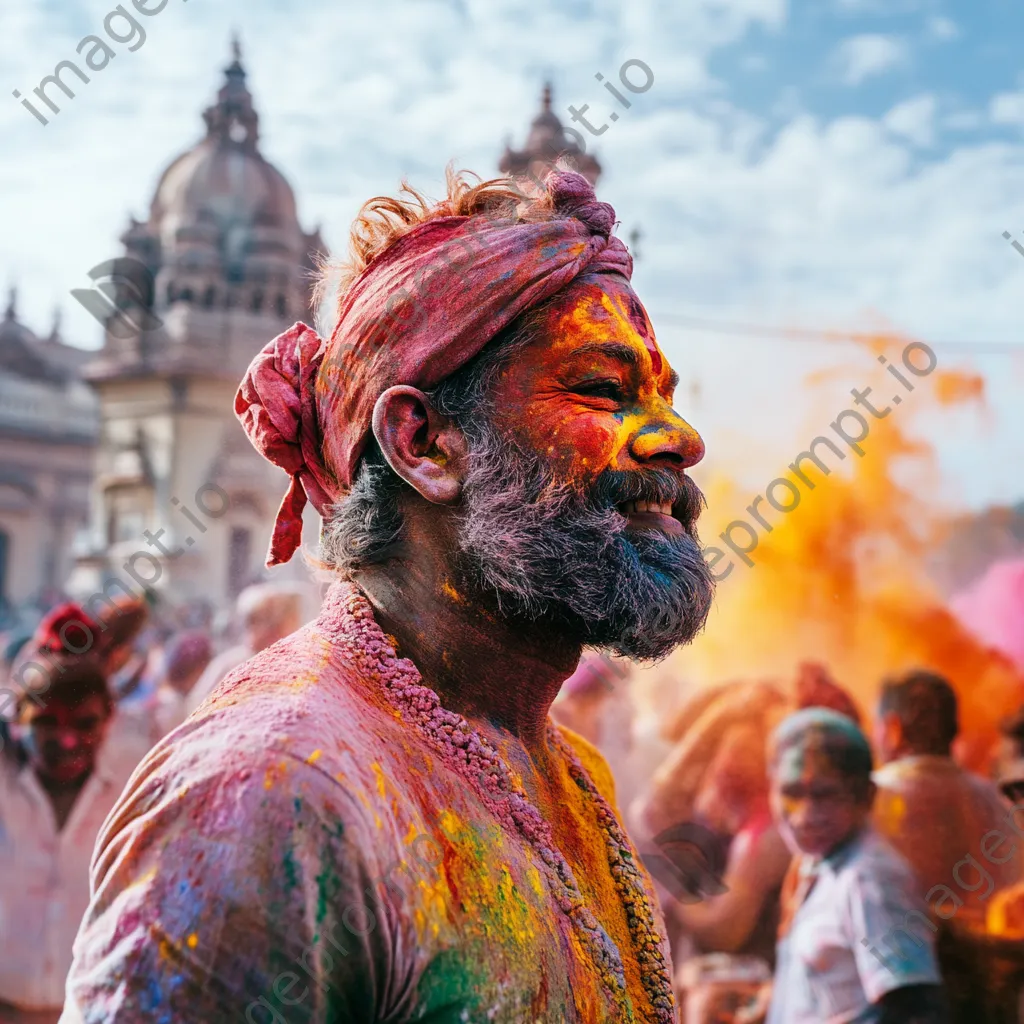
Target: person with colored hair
{"type": "Point", "coordinates": [844, 953]}
{"type": "Point", "coordinates": [68, 631]}
{"type": "Point", "coordinates": [54, 795]}
{"type": "Point", "coordinates": [111, 641]}
{"type": "Point", "coordinates": [375, 819]}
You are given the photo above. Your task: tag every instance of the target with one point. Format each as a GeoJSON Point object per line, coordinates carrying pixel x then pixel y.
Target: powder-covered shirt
{"type": "Point", "coordinates": [297, 851]}
{"type": "Point", "coordinates": [44, 881]}
{"type": "Point", "coordinates": [861, 932]}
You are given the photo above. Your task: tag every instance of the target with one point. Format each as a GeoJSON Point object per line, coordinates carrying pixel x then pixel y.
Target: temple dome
{"type": "Point", "coordinates": [221, 203]}
{"type": "Point", "coordinates": [226, 182]}
{"type": "Point", "coordinates": [220, 264]}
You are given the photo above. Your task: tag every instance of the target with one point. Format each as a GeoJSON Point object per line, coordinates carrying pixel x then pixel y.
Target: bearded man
{"type": "Point", "coordinates": [374, 819]}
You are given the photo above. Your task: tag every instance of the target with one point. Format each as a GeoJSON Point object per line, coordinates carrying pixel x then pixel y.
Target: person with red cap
{"type": "Point", "coordinates": [55, 792]}
{"type": "Point", "coordinates": [375, 819]}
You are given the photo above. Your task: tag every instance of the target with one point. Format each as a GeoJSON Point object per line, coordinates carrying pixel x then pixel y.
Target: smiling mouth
{"type": "Point", "coordinates": [650, 515]}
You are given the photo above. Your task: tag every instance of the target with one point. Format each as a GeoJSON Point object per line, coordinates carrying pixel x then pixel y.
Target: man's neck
{"type": "Point", "coordinates": [63, 796]}
{"type": "Point", "coordinates": [480, 665]}
{"type": "Point", "coordinates": [845, 843]}
{"type": "Point", "coordinates": [911, 754]}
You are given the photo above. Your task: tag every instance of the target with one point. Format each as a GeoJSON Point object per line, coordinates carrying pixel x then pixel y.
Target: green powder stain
{"type": "Point", "coordinates": [328, 884]}
{"type": "Point", "coordinates": [291, 869]}
{"type": "Point", "coordinates": [449, 989]}
{"type": "Point", "coordinates": [335, 831]}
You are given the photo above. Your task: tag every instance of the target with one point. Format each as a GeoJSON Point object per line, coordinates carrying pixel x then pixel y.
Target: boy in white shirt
{"type": "Point", "coordinates": [845, 952]}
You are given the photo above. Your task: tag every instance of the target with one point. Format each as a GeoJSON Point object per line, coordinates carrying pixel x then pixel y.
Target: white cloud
{"type": "Point", "coordinates": [942, 28]}
{"type": "Point", "coordinates": [754, 62]}
{"type": "Point", "coordinates": [863, 56]}
{"type": "Point", "coordinates": [964, 120]}
{"type": "Point", "coordinates": [914, 119]}
{"type": "Point", "coordinates": [1007, 108]}
{"type": "Point", "coordinates": [838, 222]}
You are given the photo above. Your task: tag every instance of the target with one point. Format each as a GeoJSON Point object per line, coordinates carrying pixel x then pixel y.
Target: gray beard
{"type": "Point", "coordinates": [547, 552]}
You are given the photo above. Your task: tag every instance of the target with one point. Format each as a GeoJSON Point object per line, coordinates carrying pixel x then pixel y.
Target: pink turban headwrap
{"type": "Point", "coordinates": [421, 310]}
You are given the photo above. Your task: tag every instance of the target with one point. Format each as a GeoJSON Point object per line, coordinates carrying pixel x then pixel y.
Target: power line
{"type": "Point", "coordinates": [818, 335]}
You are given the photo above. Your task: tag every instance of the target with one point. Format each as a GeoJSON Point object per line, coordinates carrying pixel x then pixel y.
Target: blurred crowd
{"type": "Point", "coordinates": [84, 697]}
{"type": "Point", "coordinates": [820, 862]}
{"type": "Point", "coordinates": [816, 861]}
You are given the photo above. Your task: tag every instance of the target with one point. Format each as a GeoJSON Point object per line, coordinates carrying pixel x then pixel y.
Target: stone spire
{"type": "Point", "coordinates": [232, 119]}
{"type": "Point", "coordinates": [11, 313]}
{"type": "Point", "coordinates": [546, 142]}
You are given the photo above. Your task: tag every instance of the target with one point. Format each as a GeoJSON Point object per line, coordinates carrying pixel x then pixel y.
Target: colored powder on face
{"type": "Point", "coordinates": [638, 318]}
{"type": "Point", "coordinates": [602, 314]}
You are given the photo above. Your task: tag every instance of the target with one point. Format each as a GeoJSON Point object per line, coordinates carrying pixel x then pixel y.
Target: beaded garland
{"type": "Point", "coordinates": [479, 762]}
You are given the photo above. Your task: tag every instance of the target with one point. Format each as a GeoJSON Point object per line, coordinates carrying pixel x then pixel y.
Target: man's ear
{"type": "Point", "coordinates": [423, 447]}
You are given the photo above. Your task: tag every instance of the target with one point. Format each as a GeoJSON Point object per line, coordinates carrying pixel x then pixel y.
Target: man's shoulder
{"type": "Point", "coordinates": [303, 682]}
{"type": "Point", "coordinates": [262, 765]}
{"type": "Point", "coordinates": [933, 789]}
{"type": "Point", "coordinates": [985, 792]}
{"type": "Point", "coordinates": [872, 861]}
{"type": "Point", "coordinates": [297, 703]}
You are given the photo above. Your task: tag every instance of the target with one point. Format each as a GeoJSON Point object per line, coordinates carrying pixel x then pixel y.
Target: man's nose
{"type": "Point", "coordinates": [68, 739]}
{"type": "Point", "coordinates": [800, 812]}
{"type": "Point", "coordinates": [668, 440]}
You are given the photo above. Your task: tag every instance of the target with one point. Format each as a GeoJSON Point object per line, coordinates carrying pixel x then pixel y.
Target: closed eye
{"type": "Point", "coordinates": [610, 389]}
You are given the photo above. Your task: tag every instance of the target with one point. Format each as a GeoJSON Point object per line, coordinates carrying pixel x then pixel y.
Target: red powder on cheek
{"type": "Point", "coordinates": [655, 356]}
{"type": "Point", "coordinates": [583, 445]}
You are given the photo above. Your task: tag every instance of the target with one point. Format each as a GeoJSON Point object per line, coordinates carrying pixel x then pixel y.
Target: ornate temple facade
{"type": "Point", "coordinates": [49, 422]}
{"type": "Point", "coordinates": [220, 266]}
{"type": "Point", "coordinates": [146, 478]}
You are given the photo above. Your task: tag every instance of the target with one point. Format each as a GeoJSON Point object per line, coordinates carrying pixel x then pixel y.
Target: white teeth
{"type": "Point", "coordinates": [629, 507]}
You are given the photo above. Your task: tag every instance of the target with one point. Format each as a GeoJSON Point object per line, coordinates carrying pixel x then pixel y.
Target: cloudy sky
{"type": "Point", "coordinates": [843, 164]}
